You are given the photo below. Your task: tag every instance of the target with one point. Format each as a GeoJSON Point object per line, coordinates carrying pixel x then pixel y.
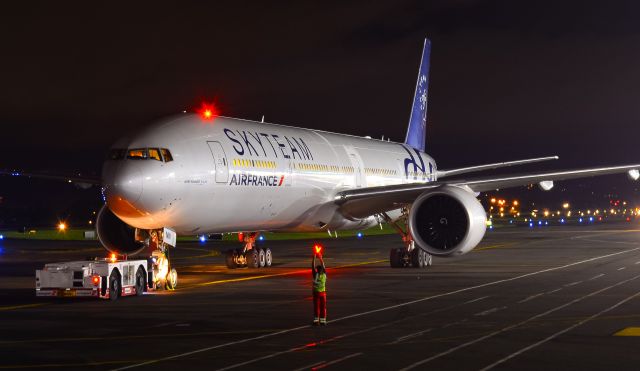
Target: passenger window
{"type": "Point", "coordinates": [137, 154]}
{"type": "Point", "coordinates": [166, 155]}
{"type": "Point", "coordinates": [154, 154]}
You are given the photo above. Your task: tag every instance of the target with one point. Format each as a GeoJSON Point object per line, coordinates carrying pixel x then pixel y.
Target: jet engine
{"type": "Point", "coordinates": [447, 221]}
{"type": "Point", "coordinates": [115, 235]}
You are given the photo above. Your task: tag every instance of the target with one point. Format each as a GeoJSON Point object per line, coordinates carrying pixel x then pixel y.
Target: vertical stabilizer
{"type": "Point", "coordinates": [416, 133]}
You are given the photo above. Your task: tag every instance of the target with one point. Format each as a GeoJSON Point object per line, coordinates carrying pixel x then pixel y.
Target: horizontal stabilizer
{"type": "Point", "coordinates": [471, 169]}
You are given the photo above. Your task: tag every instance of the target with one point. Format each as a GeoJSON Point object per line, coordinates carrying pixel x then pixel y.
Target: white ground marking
{"type": "Point", "coordinates": [573, 284]}
{"type": "Point", "coordinates": [515, 354]}
{"type": "Point", "coordinates": [411, 336]}
{"type": "Point", "coordinates": [511, 327]}
{"type": "Point", "coordinates": [474, 300]}
{"type": "Point", "coordinates": [638, 262]}
{"type": "Point", "coordinates": [621, 268]}
{"type": "Point", "coordinates": [552, 291]}
{"type": "Point", "coordinates": [454, 323]}
{"type": "Point", "coordinates": [489, 311]}
{"type": "Point", "coordinates": [302, 347]}
{"type": "Point", "coordinates": [281, 332]}
{"type": "Point", "coordinates": [309, 366]}
{"type": "Point", "coordinates": [337, 360]}
{"type": "Point", "coordinates": [530, 298]}
{"type": "Point", "coordinates": [596, 277]}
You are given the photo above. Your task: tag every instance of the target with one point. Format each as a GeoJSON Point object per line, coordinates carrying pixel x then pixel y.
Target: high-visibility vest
{"type": "Point", "coordinates": [319, 282]}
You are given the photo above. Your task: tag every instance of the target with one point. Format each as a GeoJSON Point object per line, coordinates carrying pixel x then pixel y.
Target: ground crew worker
{"type": "Point", "coordinates": [319, 291]}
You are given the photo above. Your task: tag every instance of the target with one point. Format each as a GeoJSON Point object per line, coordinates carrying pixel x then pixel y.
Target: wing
{"type": "Point", "coordinates": [83, 181]}
{"type": "Point", "coordinates": [363, 202]}
{"type": "Point", "coordinates": [470, 169]}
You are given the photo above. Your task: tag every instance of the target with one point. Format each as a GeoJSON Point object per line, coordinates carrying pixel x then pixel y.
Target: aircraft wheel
{"type": "Point", "coordinates": [252, 259]}
{"type": "Point", "coordinates": [428, 259]}
{"type": "Point", "coordinates": [141, 281]}
{"type": "Point", "coordinates": [394, 258]}
{"type": "Point", "coordinates": [115, 285]}
{"type": "Point", "coordinates": [268, 257]}
{"type": "Point", "coordinates": [172, 280]}
{"type": "Point", "coordinates": [262, 259]}
{"type": "Point", "coordinates": [231, 259]}
{"type": "Point", "coordinates": [417, 258]}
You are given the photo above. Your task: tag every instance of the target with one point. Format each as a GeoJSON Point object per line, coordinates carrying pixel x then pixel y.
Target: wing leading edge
{"type": "Point", "coordinates": [364, 202]}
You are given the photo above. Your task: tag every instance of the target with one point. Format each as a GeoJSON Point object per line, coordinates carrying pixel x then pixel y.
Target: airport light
{"type": "Point", "coordinates": [359, 234]}
{"type": "Point", "coordinates": [62, 226]}
{"type": "Point", "coordinates": [203, 239]}
{"type": "Point", "coordinates": [1, 237]}
{"type": "Point", "coordinates": [565, 205]}
{"type": "Point", "coordinates": [515, 203]}
{"type": "Point", "coordinates": [261, 238]}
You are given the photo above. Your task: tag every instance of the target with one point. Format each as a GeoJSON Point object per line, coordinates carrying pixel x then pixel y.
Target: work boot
{"type": "Point", "coordinates": [323, 321]}
{"type": "Point", "coordinates": [316, 322]}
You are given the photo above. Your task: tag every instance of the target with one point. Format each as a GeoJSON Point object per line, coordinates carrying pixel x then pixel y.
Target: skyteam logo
{"type": "Point", "coordinates": [414, 165]}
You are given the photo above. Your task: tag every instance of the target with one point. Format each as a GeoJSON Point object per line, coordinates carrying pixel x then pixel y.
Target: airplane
{"type": "Point", "coordinates": [203, 173]}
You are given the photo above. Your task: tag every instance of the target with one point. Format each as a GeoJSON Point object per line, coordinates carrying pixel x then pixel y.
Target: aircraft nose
{"type": "Point", "coordinates": [124, 184]}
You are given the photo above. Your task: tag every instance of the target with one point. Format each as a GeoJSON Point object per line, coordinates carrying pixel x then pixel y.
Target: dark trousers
{"type": "Point", "coordinates": [320, 305]}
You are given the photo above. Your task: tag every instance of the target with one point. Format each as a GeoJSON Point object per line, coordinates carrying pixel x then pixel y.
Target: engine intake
{"type": "Point", "coordinates": [115, 235]}
{"type": "Point", "coordinates": [447, 221]}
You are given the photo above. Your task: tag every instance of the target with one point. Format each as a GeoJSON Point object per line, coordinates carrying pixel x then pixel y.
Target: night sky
{"type": "Point", "coordinates": [508, 80]}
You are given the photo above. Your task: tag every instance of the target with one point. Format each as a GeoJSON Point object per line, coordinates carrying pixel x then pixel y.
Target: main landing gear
{"type": "Point", "coordinates": [410, 255]}
{"type": "Point", "coordinates": [250, 255]}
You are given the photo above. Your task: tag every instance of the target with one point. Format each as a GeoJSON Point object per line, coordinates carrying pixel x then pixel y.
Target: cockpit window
{"type": "Point", "coordinates": [154, 154]}
{"type": "Point", "coordinates": [166, 155]}
{"type": "Point", "coordinates": [116, 154]}
{"type": "Point", "coordinates": [137, 154]}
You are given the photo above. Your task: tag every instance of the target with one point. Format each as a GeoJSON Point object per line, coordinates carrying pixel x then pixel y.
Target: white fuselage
{"type": "Point", "coordinates": [230, 175]}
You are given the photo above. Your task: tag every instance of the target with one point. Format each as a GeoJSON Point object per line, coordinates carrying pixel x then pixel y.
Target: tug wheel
{"type": "Point", "coordinates": [115, 285]}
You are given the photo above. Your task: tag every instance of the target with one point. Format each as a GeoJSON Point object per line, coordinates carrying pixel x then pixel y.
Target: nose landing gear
{"type": "Point", "coordinates": [160, 241]}
{"type": "Point", "coordinates": [250, 256]}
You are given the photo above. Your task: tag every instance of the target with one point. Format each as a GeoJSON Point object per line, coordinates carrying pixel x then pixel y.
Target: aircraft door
{"type": "Point", "coordinates": [220, 160]}
{"type": "Point", "coordinates": [356, 162]}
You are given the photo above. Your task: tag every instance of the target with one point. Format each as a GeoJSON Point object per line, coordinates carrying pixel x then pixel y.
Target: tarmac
{"type": "Point", "coordinates": [525, 299]}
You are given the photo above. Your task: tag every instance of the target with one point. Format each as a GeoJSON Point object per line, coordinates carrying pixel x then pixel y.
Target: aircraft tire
{"type": "Point", "coordinates": [394, 258]}
{"type": "Point", "coordinates": [172, 279]}
{"type": "Point", "coordinates": [262, 259]}
{"type": "Point", "coordinates": [268, 257]}
{"type": "Point", "coordinates": [230, 259]}
{"type": "Point", "coordinates": [252, 259]}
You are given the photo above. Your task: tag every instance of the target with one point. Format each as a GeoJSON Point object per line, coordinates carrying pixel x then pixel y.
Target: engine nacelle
{"type": "Point", "coordinates": [447, 221]}
{"type": "Point", "coordinates": [115, 235]}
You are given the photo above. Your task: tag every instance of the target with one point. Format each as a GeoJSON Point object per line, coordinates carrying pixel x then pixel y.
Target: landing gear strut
{"type": "Point", "coordinates": [250, 256]}
{"type": "Point", "coordinates": [408, 256]}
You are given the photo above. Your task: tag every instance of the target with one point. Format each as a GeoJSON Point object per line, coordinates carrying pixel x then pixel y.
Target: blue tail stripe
{"type": "Point", "coordinates": [416, 134]}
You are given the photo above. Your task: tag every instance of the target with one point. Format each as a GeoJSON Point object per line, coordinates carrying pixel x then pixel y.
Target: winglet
{"type": "Point", "coordinates": [416, 133]}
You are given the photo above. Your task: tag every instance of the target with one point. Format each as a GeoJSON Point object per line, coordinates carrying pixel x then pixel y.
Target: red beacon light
{"type": "Point", "coordinates": [208, 111]}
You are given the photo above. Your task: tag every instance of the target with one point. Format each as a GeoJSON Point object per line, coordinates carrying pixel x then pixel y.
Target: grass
{"type": "Point", "coordinates": [78, 234]}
